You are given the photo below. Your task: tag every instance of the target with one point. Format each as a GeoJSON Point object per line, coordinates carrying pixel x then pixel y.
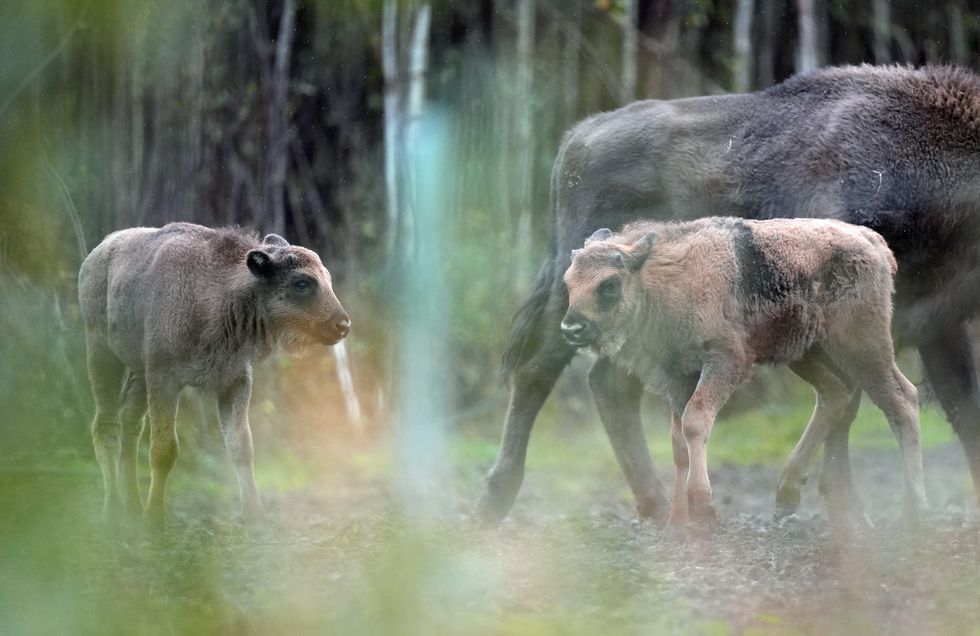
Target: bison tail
{"type": "Point", "coordinates": [879, 241]}
{"type": "Point", "coordinates": [526, 327]}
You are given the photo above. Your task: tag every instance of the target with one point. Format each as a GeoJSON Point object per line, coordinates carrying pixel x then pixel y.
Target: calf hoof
{"type": "Point", "coordinates": [787, 498]}
{"type": "Point", "coordinates": [702, 512]}
{"type": "Point", "coordinates": [154, 523]}
{"type": "Point", "coordinates": [497, 500]}
{"type": "Point", "coordinates": [654, 506]}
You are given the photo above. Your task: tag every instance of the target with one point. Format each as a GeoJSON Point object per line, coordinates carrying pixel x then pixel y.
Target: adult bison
{"type": "Point", "coordinates": [895, 149]}
{"type": "Point", "coordinates": [187, 305]}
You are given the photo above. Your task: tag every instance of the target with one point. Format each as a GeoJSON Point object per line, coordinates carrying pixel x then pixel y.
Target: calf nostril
{"type": "Point", "coordinates": [343, 326]}
{"type": "Point", "coordinates": [573, 328]}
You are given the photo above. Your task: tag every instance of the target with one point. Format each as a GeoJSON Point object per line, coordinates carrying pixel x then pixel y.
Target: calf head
{"type": "Point", "coordinates": [605, 290]}
{"type": "Point", "coordinates": [295, 296]}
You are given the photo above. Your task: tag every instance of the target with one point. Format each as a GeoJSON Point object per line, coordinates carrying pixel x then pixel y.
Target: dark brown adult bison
{"type": "Point", "coordinates": [186, 305]}
{"type": "Point", "coordinates": [895, 149]}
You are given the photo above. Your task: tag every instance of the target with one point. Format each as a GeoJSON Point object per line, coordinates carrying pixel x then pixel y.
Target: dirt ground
{"type": "Point", "coordinates": [349, 559]}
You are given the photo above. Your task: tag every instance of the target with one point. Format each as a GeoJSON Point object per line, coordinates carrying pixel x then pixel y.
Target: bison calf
{"type": "Point", "coordinates": [690, 308]}
{"type": "Point", "coordinates": [186, 305]}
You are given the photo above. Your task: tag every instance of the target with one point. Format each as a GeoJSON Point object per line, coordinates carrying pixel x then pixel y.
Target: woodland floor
{"type": "Point", "coordinates": [340, 555]}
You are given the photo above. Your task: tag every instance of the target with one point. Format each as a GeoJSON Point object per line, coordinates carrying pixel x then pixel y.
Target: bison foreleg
{"type": "Point", "coordinates": [233, 411]}
{"type": "Point", "coordinates": [716, 384]}
{"type": "Point", "coordinates": [951, 372]}
{"type": "Point", "coordinates": [617, 395]}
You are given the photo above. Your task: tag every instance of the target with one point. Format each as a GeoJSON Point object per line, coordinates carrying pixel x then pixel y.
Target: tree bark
{"type": "Point", "coordinates": [808, 53]}
{"type": "Point", "coordinates": [392, 118]}
{"type": "Point", "coordinates": [743, 45]}
{"type": "Point", "coordinates": [881, 23]}
{"type": "Point", "coordinates": [629, 51]}
{"type": "Point", "coordinates": [526, 14]}
{"type": "Point", "coordinates": [277, 120]}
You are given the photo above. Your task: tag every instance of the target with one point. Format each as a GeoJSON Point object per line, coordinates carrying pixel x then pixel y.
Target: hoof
{"type": "Point", "coordinates": [655, 508]}
{"type": "Point", "coordinates": [488, 513]}
{"type": "Point", "coordinates": [703, 512]}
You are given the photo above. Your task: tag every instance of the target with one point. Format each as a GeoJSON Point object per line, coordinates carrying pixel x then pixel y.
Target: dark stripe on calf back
{"type": "Point", "coordinates": [759, 278]}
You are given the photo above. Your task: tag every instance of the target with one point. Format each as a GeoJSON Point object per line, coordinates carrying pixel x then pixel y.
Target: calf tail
{"type": "Point", "coordinates": [526, 328]}
{"type": "Point", "coordinates": [879, 241]}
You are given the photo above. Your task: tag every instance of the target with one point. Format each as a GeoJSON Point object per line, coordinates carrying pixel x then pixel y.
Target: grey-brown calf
{"type": "Point", "coordinates": [689, 308]}
{"type": "Point", "coordinates": [186, 305]}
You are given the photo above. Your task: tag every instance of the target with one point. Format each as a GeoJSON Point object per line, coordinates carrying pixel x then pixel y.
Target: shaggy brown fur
{"type": "Point", "coordinates": [895, 149]}
{"type": "Point", "coordinates": [689, 308]}
{"type": "Point", "coordinates": [186, 305]}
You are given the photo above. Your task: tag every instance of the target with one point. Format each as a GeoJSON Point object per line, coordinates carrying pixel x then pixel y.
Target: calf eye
{"type": "Point", "coordinates": [302, 286]}
{"type": "Point", "coordinates": [609, 287]}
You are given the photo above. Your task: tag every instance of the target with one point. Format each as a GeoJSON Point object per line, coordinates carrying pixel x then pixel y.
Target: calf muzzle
{"type": "Point", "coordinates": [336, 329]}
{"type": "Point", "coordinates": [577, 330]}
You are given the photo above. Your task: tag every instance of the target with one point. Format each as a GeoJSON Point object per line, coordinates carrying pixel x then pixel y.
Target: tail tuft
{"type": "Point", "coordinates": [526, 327]}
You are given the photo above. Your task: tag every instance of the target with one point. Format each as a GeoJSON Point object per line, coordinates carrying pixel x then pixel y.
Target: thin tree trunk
{"type": "Point", "coordinates": [392, 118]}
{"type": "Point", "coordinates": [881, 23]}
{"type": "Point", "coordinates": [526, 14]}
{"type": "Point", "coordinates": [570, 67]}
{"type": "Point", "coordinates": [808, 54]}
{"type": "Point", "coordinates": [959, 53]}
{"type": "Point", "coordinates": [418, 63]}
{"type": "Point", "coordinates": [743, 45]}
{"type": "Point", "coordinates": [277, 119]}
{"type": "Point", "coordinates": [765, 59]}
{"type": "Point", "coordinates": [629, 51]}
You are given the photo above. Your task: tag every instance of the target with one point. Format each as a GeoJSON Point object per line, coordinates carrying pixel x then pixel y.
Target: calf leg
{"type": "Point", "coordinates": [950, 370]}
{"type": "Point", "coordinates": [162, 399]}
{"type": "Point", "coordinates": [682, 463]}
{"type": "Point", "coordinates": [131, 417]}
{"type": "Point", "coordinates": [531, 384]}
{"type": "Point", "coordinates": [832, 398]}
{"type": "Point", "coordinates": [617, 395]}
{"type": "Point", "coordinates": [897, 398]}
{"type": "Point", "coordinates": [233, 412]}
{"type": "Point", "coordinates": [106, 373]}
{"type": "Point", "coordinates": [715, 386]}
{"type": "Point", "coordinates": [836, 479]}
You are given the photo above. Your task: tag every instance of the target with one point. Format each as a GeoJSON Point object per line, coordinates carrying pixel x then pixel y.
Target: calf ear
{"type": "Point", "coordinates": [275, 239]}
{"type": "Point", "coordinates": [259, 263]}
{"type": "Point", "coordinates": [599, 235]}
{"type": "Point", "coordinates": [638, 252]}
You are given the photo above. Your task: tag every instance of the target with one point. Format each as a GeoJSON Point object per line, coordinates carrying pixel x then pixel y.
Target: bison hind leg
{"type": "Point", "coordinates": [106, 374]}
{"type": "Point", "coordinates": [131, 417]}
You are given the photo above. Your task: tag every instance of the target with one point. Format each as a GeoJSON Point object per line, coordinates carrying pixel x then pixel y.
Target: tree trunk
{"type": "Point", "coordinates": [959, 52]}
{"type": "Point", "coordinates": [629, 51]}
{"type": "Point", "coordinates": [392, 118]}
{"type": "Point", "coordinates": [743, 45]}
{"type": "Point", "coordinates": [277, 120]}
{"type": "Point", "coordinates": [417, 71]}
{"type": "Point", "coordinates": [570, 65]}
{"type": "Point", "coordinates": [881, 23]}
{"type": "Point", "coordinates": [765, 43]}
{"type": "Point", "coordinates": [808, 54]}
{"type": "Point", "coordinates": [526, 14]}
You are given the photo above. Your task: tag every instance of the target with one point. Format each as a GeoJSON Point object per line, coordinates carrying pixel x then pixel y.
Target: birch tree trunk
{"type": "Point", "coordinates": [765, 43]}
{"type": "Point", "coordinates": [417, 71]}
{"type": "Point", "coordinates": [629, 51]}
{"type": "Point", "coordinates": [808, 56]}
{"type": "Point", "coordinates": [959, 52]}
{"type": "Point", "coordinates": [743, 45]}
{"type": "Point", "coordinates": [881, 23]}
{"type": "Point", "coordinates": [526, 13]}
{"type": "Point", "coordinates": [277, 120]}
{"type": "Point", "coordinates": [570, 65]}
{"type": "Point", "coordinates": [392, 119]}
